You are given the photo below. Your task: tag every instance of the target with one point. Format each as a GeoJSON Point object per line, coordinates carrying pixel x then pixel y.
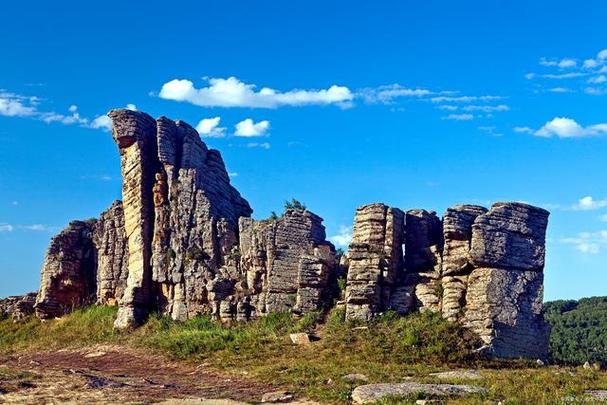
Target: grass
{"type": "Point", "coordinates": [390, 349]}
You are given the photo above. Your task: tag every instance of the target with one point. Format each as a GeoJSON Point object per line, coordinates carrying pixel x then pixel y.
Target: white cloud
{"type": "Point", "coordinates": [248, 128]}
{"type": "Point", "coordinates": [73, 118]}
{"type": "Point", "coordinates": [102, 122]}
{"type": "Point", "coordinates": [563, 63]}
{"type": "Point", "coordinates": [386, 94]}
{"type": "Point", "coordinates": [233, 174]}
{"type": "Point", "coordinates": [559, 90]}
{"type": "Point", "coordinates": [343, 237]}
{"type": "Point", "coordinates": [35, 227]}
{"type": "Point", "coordinates": [523, 130]}
{"type": "Point", "coordinates": [262, 145]}
{"type": "Point", "coordinates": [486, 108]}
{"type": "Point", "coordinates": [588, 203]}
{"type": "Point", "coordinates": [458, 117]}
{"type": "Point", "coordinates": [6, 227]}
{"type": "Point", "coordinates": [560, 76]}
{"type": "Point", "coordinates": [563, 127]}
{"type": "Point", "coordinates": [131, 107]}
{"type": "Point", "coordinates": [593, 91]}
{"type": "Point", "coordinates": [530, 76]}
{"type": "Point", "coordinates": [588, 242]}
{"type": "Point", "coordinates": [602, 55]}
{"type": "Point", "coordinates": [231, 92]}
{"type": "Point", "coordinates": [463, 99]}
{"type": "Point", "coordinates": [490, 130]}
{"type": "Point", "coordinates": [590, 64]}
{"type": "Point", "coordinates": [14, 105]}
{"type": "Point", "coordinates": [209, 128]}
{"type": "Point", "coordinates": [598, 79]}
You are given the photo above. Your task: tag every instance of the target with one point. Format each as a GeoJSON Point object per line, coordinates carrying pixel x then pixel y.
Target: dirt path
{"type": "Point", "coordinates": [111, 374]}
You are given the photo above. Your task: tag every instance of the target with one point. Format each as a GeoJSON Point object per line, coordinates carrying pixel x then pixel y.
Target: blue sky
{"type": "Point", "coordinates": [336, 103]}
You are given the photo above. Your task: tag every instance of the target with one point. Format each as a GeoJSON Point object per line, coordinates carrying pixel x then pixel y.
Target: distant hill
{"type": "Point", "coordinates": [579, 330]}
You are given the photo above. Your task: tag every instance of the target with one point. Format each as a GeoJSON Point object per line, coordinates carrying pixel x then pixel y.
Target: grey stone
{"type": "Point", "coordinates": [366, 394]}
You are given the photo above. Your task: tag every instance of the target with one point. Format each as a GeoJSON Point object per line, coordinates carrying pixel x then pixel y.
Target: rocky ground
{"type": "Point", "coordinates": [113, 374]}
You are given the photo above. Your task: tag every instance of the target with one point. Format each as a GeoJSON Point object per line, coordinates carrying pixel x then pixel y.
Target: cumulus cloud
{"type": "Point", "coordinates": [343, 237]}
{"type": "Point", "coordinates": [209, 128]}
{"type": "Point", "coordinates": [14, 105]}
{"type": "Point", "coordinates": [588, 203]}
{"type": "Point", "coordinates": [458, 117]}
{"type": "Point", "coordinates": [102, 122]}
{"type": "Point", "coordinates": [232, 92]}
{"type": "Point", "coordinates": [248, 128]}
{"type": "Point", "coordinates": [70, 119]}
{"type": "Point", "coordinates": [563, 127]}
{"type": "Point", "coordinates": [588, 242]}
{"type": "Point", "coordinates": [563, 63]}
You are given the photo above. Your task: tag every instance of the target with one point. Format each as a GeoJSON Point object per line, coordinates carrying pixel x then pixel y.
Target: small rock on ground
{"type": "Point", "coordinates": [458, 374]}
{"type": "Point", "coordinates": [300, 338]}
{"type": "Point", "coordinates": [600, 395]}
{"type": "Point", "coordinates": [370, 393]}
{"type": "Point", "coordinates": [356, 377]}
{"type": "Point", "coordinates": [278, 396]}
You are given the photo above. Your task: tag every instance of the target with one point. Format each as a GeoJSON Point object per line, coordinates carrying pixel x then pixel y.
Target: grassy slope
{"type": "Point", "coordinates": [390, 350]}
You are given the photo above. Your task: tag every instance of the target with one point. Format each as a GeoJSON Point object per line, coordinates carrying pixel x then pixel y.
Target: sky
{"type": "Point", "coordinates": [335, 103]}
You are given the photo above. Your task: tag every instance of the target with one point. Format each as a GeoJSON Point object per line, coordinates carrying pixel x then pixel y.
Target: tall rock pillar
{"type": "Point", "coordinates": [505, 288]}
{"type": "Point", "coordinates": [135, 134]}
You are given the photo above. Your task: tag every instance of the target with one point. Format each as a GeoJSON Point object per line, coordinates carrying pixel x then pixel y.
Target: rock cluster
{"type": "Point", "coordinates": [17, 307]}
{"type": "Point", "coordinates": [183, 242]}
{"type": "Point", "coordinates": [481, 267]}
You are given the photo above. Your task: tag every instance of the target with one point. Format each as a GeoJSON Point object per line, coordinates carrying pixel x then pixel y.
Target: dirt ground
{"type": "Point", "coordinates": [111, 374]}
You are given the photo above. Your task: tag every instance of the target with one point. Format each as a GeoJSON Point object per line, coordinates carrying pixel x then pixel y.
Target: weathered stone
{"type": "Point", "coordinates": [355, 378]}
{"type": "Point", "coordinates": [510, 236]}
{"type": "Point", "coordinates": [504, 307]}
{"type": "Point", "coordinates": [111, 245]}
{"type": "Point", "coordinates": [375, 262]}
{"type": "Point", "coordinates": [17, 307]}
{"type": "Point", "coordinates": [287, 263]}
{"type": "Point", "coordinates": [135, 134]}
{"type": "Point", "coordinates": [68, 278]}
{"type": "Point", "coordinates": [277, 397]}
{"type": "Point", "coordinates": [300, 338]}
{"type": "Point", "coordinates": [366, 394]}
{"type": "Point", "coordinates": [458, 375]}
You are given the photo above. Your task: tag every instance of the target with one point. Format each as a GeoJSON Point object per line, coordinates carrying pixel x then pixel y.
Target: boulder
{"type": "Point", "coordinates": [367, 394]}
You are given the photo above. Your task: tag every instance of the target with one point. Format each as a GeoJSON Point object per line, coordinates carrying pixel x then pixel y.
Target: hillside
{"type": "Point", "coordinates": [81, 356]}
{"type": "Point", "coordinates": [579, 330]}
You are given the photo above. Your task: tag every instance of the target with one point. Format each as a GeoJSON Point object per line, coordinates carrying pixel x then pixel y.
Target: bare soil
{"type": "Point", "coordinates": [112, 374]}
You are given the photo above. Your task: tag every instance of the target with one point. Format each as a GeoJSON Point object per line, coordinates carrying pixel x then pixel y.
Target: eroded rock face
{"type": "Point", "coordinates": [17, 307]}
{"type": "Point", "coordinates": [375, 262]}
{"type": "Point", "coordinates": [505, 288]}
{"type": "Point", "coordinates": [110, 241]}
{"type": "Point", "coordinates": [69, 271]}
{"type": "Point", "coordinates": [286, 263]}
{"type": "Point", "coordinates": [483, 268]}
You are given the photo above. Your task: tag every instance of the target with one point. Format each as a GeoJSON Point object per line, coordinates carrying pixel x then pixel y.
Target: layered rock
{"type": "Point", "coordinates": [483, 268]}
{"type": "Point", "coordinates": [135, 134]}
{"type": "Point", "coordinates": [110, 241]}
{"type": "Point", "coordinates": [17, 307]}
{"type": "Point", "coordinates": [375, 262]}
{"type": "Point", "coordinates": [505, 288]}
{"type": "Point", "coordinates": [69, 271]}
{"type": "Point", "coordinates": [286, 263]}
{"type": "Point", "coordinates": [457, 234]}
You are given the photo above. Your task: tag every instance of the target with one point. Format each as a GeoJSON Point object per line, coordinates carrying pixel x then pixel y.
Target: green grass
{"type": "Point", "coordinates": [391, 349]}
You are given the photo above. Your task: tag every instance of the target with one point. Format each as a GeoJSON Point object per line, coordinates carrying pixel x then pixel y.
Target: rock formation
{"type": "Point", "coordinates": [483, 268]}
{"type": "Point", "coordinates": [68, 276]}
{"type": "Point", "coordinates": [17, 307]}
{"type": "Point", "coordinates": [182, 242]}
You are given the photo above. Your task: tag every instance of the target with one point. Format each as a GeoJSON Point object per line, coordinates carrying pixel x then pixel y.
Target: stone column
{"type": "Point", "coordinates": [135, 134]}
